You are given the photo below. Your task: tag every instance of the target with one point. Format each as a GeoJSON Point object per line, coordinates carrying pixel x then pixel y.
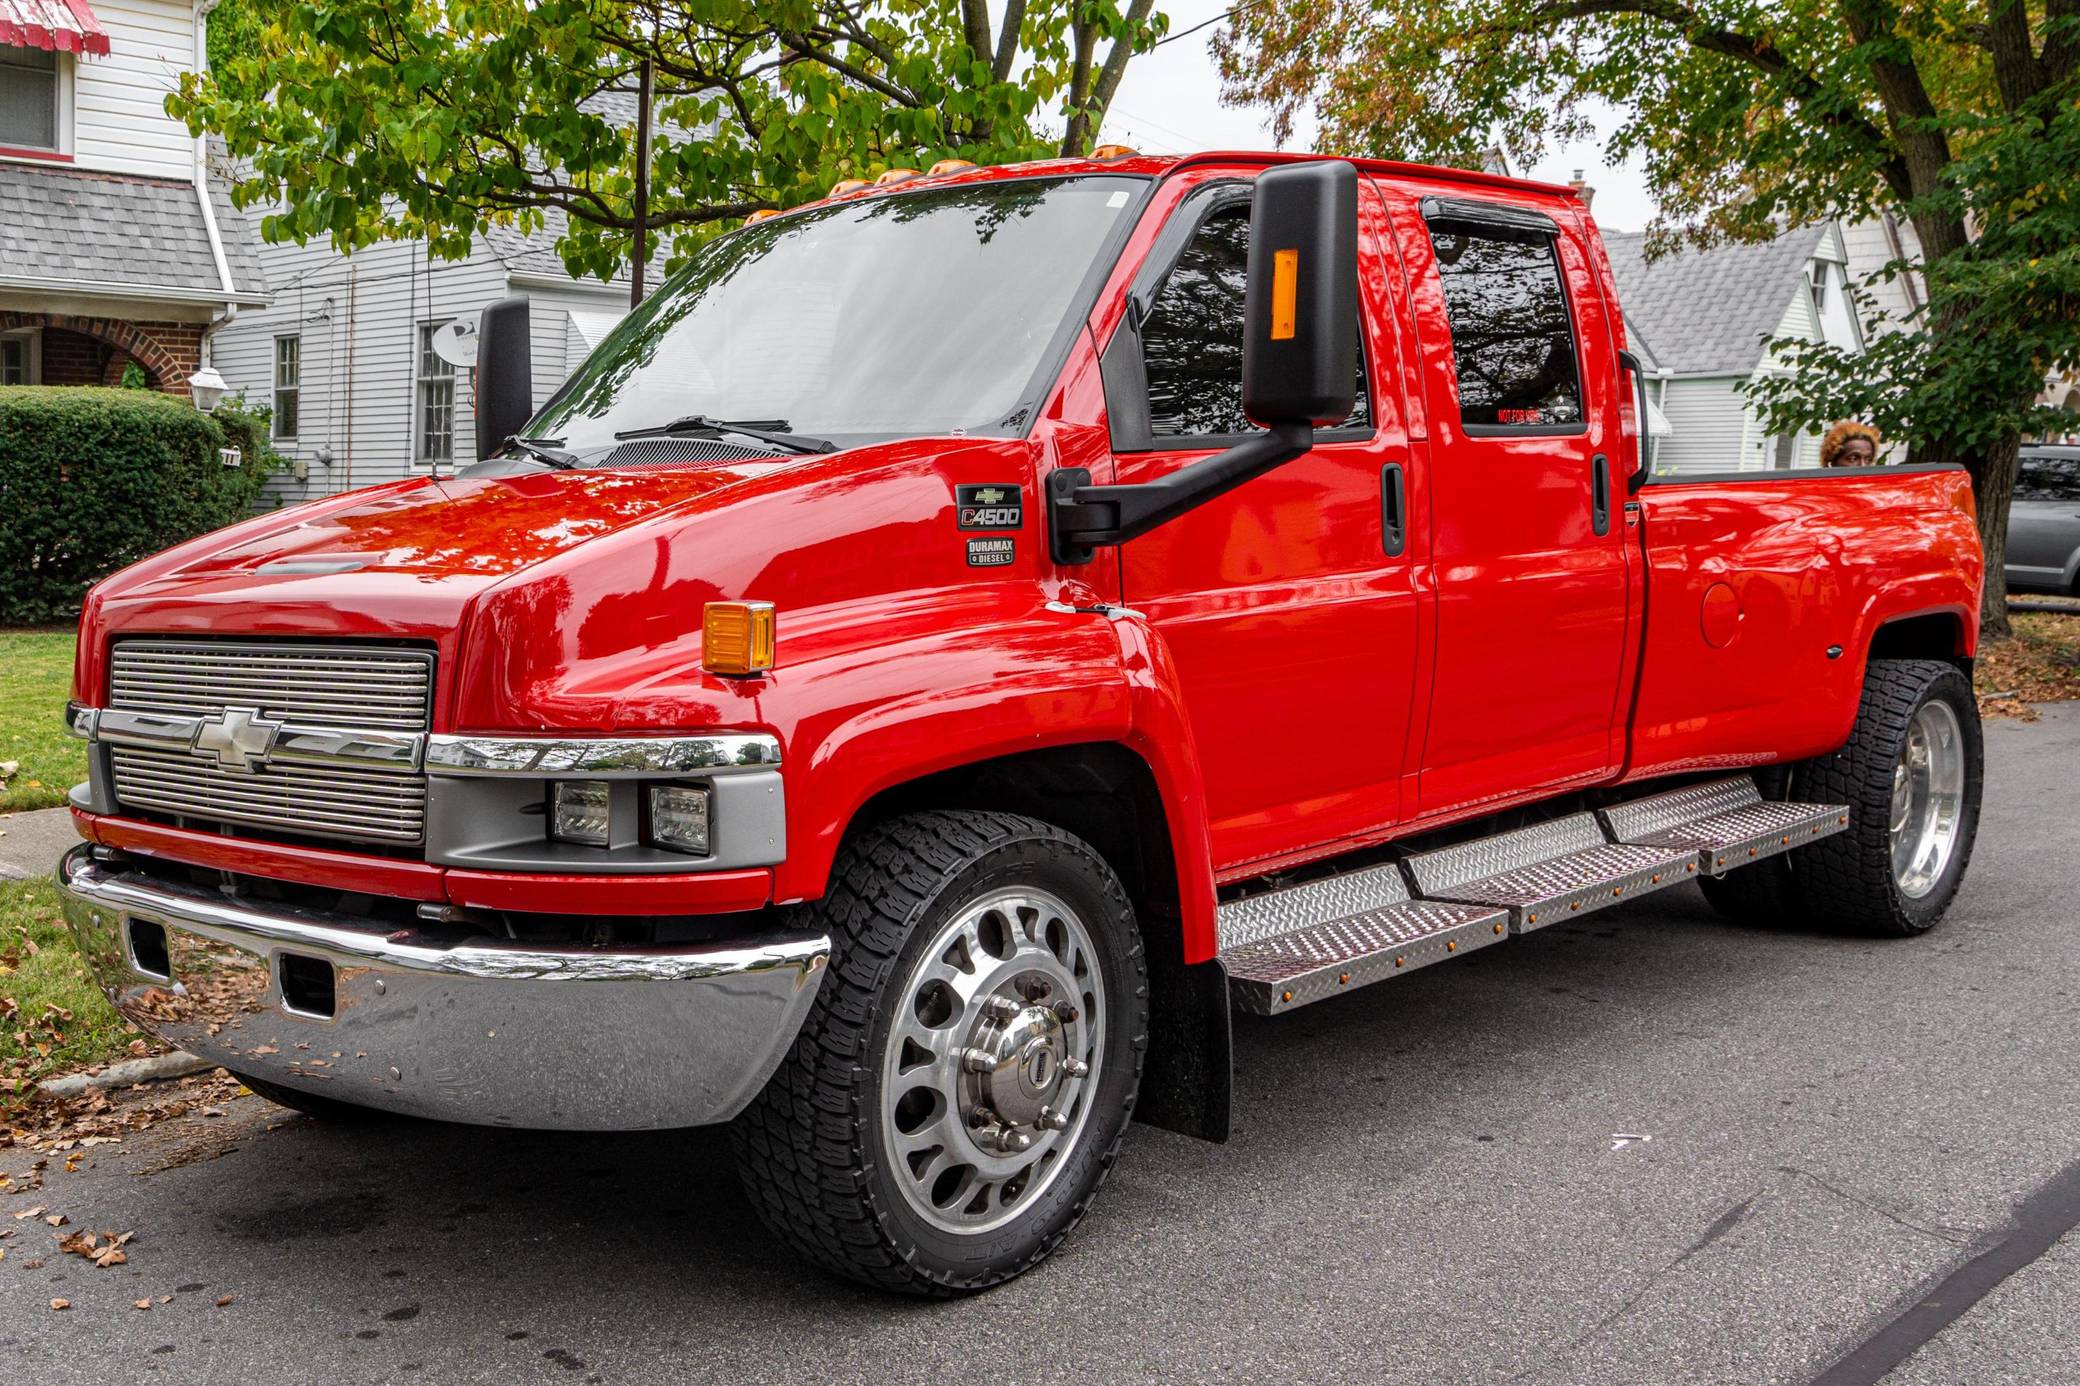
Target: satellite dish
{"type": "Point", "coordinates": [456, 342]}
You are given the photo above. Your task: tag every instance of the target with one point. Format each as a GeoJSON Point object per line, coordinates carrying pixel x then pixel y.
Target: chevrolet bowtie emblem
{"type": "Point", "coordinates": [239, 738]}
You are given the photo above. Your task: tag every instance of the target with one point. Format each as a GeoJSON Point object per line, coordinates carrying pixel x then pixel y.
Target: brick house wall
{"type": "Point", "coordinates": [94, 351]}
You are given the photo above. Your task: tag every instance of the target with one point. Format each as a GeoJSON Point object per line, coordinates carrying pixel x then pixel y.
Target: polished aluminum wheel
{"type": "Point", "coordinates": [993, 1059]}
{"type": "Point", "coordinates": [1928, 787]}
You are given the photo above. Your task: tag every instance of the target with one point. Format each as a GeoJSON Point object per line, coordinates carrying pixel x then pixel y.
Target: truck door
{"type": "Point", "coordinates": [1289, 605]}
{"type": "Point", "coordinates": [1528, 525]}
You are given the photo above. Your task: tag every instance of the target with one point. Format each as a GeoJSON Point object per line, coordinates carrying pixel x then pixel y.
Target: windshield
{"type": "Point", "coordinates": [906, 314]}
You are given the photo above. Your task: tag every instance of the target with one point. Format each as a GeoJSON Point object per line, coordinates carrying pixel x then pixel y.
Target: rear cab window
{"type": "Point", "coordinates": [1513, 344]}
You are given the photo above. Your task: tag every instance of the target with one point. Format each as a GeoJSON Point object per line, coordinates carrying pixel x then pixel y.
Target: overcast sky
{"type": "Point", "coordinates": [1170, 102]}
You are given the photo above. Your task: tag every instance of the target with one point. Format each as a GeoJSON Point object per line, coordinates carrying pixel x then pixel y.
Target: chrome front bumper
{"type": "Point", "coordinates": [488, 1032]}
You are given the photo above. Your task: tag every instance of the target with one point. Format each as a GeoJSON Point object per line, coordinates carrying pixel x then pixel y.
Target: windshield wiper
{"type": "Point", "coordinates": [544, 450]}
{"type": "Point", "coordinates": [772, 431]}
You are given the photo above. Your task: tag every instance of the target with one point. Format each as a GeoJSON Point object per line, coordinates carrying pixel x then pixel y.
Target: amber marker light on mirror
{"type": "Point", "coordinates": [737, 638]}
{"type": "Point", "coordinates": [1285, 294]}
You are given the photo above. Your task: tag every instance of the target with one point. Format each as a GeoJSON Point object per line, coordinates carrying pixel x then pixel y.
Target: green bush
{"type": "Point", "coordinates": [94, 479]}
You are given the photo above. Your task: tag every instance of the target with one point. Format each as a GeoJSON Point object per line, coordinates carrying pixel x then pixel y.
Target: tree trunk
{"type": "Point", "coordinates": [1993, 484]}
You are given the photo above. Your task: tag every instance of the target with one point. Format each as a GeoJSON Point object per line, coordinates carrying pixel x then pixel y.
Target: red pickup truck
{"type": "Point", "coordinates": [960, 638]}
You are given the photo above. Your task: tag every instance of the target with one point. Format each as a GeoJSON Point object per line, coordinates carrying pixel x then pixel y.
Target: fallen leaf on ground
{"type": "Point", "coordinates": [57, 1219]}
{"type": "Point", "coordinates": [166, 1299]}
{"type": "Point", "coordinates": [61, 1304]}
{"type": "Point", "coordinates": [223, 1300]}
{"type": "Point", "coordinates": [141, 1304]}
{"type": "Point", "coordinates": [35, 1212]}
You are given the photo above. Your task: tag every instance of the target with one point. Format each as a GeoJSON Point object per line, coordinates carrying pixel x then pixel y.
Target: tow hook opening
{"type": "Point", "coordinates": [148, 949]}
{"type": "Point", "coordinates": [307, 985]}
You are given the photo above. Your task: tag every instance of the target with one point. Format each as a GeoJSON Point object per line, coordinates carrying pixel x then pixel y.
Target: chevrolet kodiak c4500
{"type": "Point", "coordinates": [958, 639]}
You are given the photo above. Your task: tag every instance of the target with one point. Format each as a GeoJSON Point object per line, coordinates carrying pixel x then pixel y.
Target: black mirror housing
{"type": "Point", "coordinates": [1300, 322]}
{"type": "Point", "coordinates": [505, 374]}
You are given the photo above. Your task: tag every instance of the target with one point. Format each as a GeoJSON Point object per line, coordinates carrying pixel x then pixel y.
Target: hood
{"type": "Point", "coordinates": [401, 560]}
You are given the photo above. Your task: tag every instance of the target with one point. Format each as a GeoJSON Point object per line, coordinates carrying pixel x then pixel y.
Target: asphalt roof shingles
{"type": "Point", "coordinates": [67, 224]}
{"type": "Point", "coordinates": [1709, 312]}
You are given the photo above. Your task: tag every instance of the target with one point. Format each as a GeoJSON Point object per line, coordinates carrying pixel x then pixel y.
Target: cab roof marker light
{"type": "Point", "coordinates": [848, 185]}
{"type": "Point", "coordinates": [897, 175]}
{"type": "Point", "coordinates": [1114, 151]}
{"type": "Point", "coordinates": [949, 166]}
{"type": "Point", "coordinates": [760, 215]}
{"type": "Point", "coordinates": [737, 638]}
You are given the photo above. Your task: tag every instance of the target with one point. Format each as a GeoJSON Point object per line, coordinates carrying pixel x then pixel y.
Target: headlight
{"type": "Point", "coordinates": [578, 811]}
{"type": "Point", "coordinates": [679, 818]}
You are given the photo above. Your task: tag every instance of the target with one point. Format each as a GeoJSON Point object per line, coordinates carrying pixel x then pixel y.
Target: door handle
{"type": "Point", "coordinates": [1393, 509]}
{"type": "Point", "coordinates": [1600, 494]}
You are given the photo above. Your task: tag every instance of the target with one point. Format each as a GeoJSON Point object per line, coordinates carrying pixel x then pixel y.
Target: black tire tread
{"type": "Point", "coordinates": [1845, 881]}
{"type": "Point", "coordinates": [802, 1147]}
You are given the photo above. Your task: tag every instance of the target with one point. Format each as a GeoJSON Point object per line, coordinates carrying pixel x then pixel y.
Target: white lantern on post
{"type": "Point", "coordinates": [208, 388]}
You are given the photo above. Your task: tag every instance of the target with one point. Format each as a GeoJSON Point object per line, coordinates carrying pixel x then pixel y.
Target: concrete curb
{"type": "Point", "coordinates": [156, 1069]}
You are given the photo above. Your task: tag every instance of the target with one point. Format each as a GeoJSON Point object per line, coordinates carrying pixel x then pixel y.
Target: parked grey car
{"type": "Point", "coordinates": [2044, 525]}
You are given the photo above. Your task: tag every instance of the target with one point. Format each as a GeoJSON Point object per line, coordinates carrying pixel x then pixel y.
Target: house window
{"type": "Point", "coordinates": [433, 402]}
{"type": "Point", "coordinates": [1819, 286]}
{"type": "Point", "coordinates": [28, 98]}
{"type": "Point", "coordinates": [288, 384]}
{"type": "Point", "coordinates": [1512, 338]}
{"type": "Point", "coordinates": [18, 359]}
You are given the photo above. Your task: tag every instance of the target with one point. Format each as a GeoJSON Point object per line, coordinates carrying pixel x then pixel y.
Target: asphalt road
{"type": "Point", "coordinates": [1850, 1141]}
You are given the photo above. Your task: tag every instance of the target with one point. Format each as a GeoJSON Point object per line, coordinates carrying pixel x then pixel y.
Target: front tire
{"type": "Point", "coordinates": [962, 1085]}
{"type": "Point", "coordinates": [1911, 775]}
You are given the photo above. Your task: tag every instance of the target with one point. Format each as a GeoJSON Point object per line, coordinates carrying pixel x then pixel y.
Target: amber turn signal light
{"type": "Point", "coordinates": [737, 638]}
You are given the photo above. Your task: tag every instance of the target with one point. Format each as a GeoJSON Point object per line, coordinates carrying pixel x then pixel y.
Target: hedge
{"type": "Point", "coordinates": [94, 479]}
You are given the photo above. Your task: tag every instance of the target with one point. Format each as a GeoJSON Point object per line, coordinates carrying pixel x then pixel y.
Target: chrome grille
{"type": "Point", "coordinates": [318, 800]}
{"type": "Point", "coordinates": [310, 685]}
{"type": "Point", "coordinates": [335, 685]}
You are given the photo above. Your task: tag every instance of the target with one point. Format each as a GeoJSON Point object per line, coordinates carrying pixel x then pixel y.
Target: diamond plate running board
{"type": "Point", "coordinates": [1286, 948]}
{"type": "Point", "coordinates": [1726, 822]}
{"type": "Point", "coordinates": [1550, 871]}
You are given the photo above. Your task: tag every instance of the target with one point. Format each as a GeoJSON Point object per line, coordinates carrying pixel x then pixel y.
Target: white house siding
{"type": "Point", "coordinates": [390, 289]}
{"type": "Point", "coordinates": [1886, 305]}
{"type": "Point", "coordinates": [119, 120]}
{"type": "Point", "coordinates": [393, 290]}
{"type": "Point", "coordinates": [561, 341]}
{"type": "Point", "coordinates": [1708, 424]}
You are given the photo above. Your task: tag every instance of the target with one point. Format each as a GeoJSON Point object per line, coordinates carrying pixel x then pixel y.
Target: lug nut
{"type": "Point", "coordinates": [1052, 1120]}
{"type": "Point", "coordinates": [1075, 1068]}
{"type": "Point", "coordinates": [1065, 1012]}
{"type": "Point", "coordinates": [980, 1118]}
{"type": "Point", "coordinates": [1014, 1142]}
{"type": "Point", "coordinates": [1001, 1008]}
{"type": "Point", "coordinates": [978, 1060]}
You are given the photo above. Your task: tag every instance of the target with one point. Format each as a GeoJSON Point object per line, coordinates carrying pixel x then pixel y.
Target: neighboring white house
{"type": "Point", "coordinates": [344, 352]}
{"type": "Point", "coordinates": [116, 249]}
{"type": "Point", "coordinates": [1704, 319]}
{"type": "Point", "coordinates": [345, 356]}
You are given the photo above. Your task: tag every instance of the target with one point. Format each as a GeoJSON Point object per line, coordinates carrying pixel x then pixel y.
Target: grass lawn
{"type": "Point", "coordinates": [35, 678]}
{"type": "Point", "coordinates": [52, 1018]}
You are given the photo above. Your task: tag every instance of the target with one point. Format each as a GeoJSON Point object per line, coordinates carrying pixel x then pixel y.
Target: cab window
{"type": "Point", "coordinates": [1512, 338]}
{"type": "Point", "coordinates": [1191, 341]}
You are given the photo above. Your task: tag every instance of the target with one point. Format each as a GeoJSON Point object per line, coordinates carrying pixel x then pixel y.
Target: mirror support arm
{"type": "Point", "coordinates": [1081, 516]}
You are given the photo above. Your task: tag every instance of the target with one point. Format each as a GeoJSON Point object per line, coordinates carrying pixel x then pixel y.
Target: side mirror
{"type": "Point", "coordinates": [1300, 329]}
{"type": "Point", "coordinates": [505, 374]}
{"type": "Point", "coordinates": [1299, 361]}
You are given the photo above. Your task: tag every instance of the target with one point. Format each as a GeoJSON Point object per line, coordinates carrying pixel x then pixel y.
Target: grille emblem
{"type": "Point", "coordinates": [239, 738]}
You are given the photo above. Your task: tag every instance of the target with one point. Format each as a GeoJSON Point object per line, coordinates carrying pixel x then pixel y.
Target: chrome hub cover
{"type": "Point", "coordinates": [1927, 798]}
{"type": "Point", "coordinates": [992, 1058]}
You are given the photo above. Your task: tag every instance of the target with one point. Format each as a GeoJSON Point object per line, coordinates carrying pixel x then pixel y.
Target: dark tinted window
{"type": "Point", "coordinates": [2049, 478]}
{"type": "Point", "coordinates": [1511, 339]}
{"type": "Point", "coordinates": [1192, 340]}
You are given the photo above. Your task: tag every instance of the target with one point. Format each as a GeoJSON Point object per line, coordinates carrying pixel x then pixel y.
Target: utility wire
{"type": "Point", "coordinates": [1206, 23]}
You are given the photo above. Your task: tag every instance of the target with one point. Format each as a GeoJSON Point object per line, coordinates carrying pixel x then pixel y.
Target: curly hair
{"type": "Point", "coordinates": [1838, 438]}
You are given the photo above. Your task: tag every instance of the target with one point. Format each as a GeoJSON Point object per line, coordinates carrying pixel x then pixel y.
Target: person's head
{"type": "Point", "coordinates": [1850, 444]}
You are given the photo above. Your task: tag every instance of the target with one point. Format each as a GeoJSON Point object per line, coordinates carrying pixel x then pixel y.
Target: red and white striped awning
{"type": "Point", "coordinates": [64, 26]}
